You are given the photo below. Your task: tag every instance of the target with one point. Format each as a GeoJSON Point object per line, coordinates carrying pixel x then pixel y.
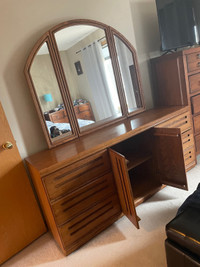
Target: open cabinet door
{"type": "Point", "coordinates": [169, 157]}
{"type": "Point", "coordinates": [124, 186]}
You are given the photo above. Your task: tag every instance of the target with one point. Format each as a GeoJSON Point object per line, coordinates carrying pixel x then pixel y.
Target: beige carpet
{"type": "Point", "coordinates": [121, 244]}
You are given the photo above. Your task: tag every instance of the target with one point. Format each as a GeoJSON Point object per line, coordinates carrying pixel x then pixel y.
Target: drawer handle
{"type": "Point", "coordinates": [185, 117]}
{"type": "Point", "coordinates": [198, 64]}
{"type": "Point", "coordinates": [188, 140]}
{"type": "Point", "coordinates": [186, 121]}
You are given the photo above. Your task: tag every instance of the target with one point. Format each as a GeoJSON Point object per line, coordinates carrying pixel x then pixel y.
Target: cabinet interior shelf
{"type": "Point", "coordinates": [133, 160]}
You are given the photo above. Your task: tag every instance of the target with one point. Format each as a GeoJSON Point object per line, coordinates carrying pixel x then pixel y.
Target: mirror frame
{"type": "Point", "coordinates": [49, 38]}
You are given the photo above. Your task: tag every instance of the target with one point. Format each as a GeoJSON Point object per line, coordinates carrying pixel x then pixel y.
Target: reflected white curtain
{"type": "Point", "coordinates": [94, 66]}
{"type": "Point", "coordinates": [125, 60]}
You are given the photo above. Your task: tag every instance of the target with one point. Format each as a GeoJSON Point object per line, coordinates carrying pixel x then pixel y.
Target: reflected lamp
{"type": "Point", "coordinates": [48, 98]}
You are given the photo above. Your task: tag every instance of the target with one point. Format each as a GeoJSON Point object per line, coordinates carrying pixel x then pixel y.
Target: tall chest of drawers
{"type": "Point", "coordinates": [176, 81]}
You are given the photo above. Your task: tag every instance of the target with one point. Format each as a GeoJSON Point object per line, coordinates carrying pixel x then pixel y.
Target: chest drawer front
{"type": "Point", "coordinates": [83, 198]}
{"type": "Point", "coordinates": [67, 179]}
{"type": "Point", "coordinates": [196, 120]}
{"type": "Point", "coordinates": [193, 57]}
{"type": "Point", "coordinates": [193, 61]}
{"type": "Point", "coordinates": [189, 156]}
{"type": "Point", "coordinates": [194, 83]}
{"type": "Point", "coordinates": [195, 104]}
{"type": "Point", "coordinates": [187, 139]}
{"type": "Point", "coordinates": [193, 66]}
{"type": "Point", "coordinates": [182, 121]}
{"type": "Point", "coordinates": [82, 228]}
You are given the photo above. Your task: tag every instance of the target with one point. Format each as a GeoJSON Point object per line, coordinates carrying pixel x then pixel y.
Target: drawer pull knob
{"type": "Point", "coordinates": [190, 157]}
{"type": "Point", "coordinates": [188, 140]}
{"type": "Point", "coordinates": [186, 121]}
{"type": "Point", "coordinates": [185, 117]}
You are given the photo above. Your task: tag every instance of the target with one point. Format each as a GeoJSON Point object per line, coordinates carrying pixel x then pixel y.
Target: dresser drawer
{"type": "Point", "coordinates": [83, 198]}
{"type": "Point", "coordinates": [189, 156]}
{"type": "Point", "coordinates": [93, 220]}
{"type": "Point", "coordinates": [182, 121]}
{"type": "Point", "coordinates": [194, 83]}
{"type": "Point", "coordinates": [196, 120]}
{"type": "Point", "coordinates": [195, 101]}
{"type": "Point", "coordinates": [68, 179]}
{"type": "Point", "coordinates": [187, 139]}
{"type": "Point", "coordinates": [193, 61]}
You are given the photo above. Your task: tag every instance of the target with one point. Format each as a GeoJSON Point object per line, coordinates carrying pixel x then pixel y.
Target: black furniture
{"type": "Point", "coordinates": [183, 234]}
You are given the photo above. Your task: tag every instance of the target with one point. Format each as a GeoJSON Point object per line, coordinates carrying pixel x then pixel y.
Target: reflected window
{"type": "Point", "coordinates": [89, 74]}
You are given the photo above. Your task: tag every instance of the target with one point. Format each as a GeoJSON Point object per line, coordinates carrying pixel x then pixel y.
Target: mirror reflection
{"type": "Point", "coordinates": [48, 94]}
{"type": "Point", "coordinates": [129, 75]}
{"type": "Point", "coordinates": [88, 69]}
{"type": "Point", "coordinates": [73, 67]}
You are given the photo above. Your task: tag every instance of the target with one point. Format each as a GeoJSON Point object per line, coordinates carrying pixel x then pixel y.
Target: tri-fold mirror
{"type": "Point", "coordinates": [83, 75]}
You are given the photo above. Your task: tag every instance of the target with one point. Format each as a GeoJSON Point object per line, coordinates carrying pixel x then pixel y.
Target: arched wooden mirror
{"type": "Point", "coordinates": [83, 75]}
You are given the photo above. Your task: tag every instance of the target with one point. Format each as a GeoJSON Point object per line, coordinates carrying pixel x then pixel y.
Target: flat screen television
{"type": "Point", "coordinates": [179, 23]}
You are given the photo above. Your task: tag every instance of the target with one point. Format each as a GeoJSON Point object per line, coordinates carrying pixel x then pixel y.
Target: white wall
{"type": "Point", "coordinates": [22, 22]}
{"type": "Point", "coordinates": [145, 23]}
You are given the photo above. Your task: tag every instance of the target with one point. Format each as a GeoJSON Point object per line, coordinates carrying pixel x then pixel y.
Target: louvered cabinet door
{"type": "Point", "coordinates": [124, 186]}
{"type": "Point", "coordinates": [83, 200]}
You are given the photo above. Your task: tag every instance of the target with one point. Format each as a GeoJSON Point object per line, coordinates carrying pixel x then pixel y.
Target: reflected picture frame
{"type": "Point", "coordinates": [78, 68]}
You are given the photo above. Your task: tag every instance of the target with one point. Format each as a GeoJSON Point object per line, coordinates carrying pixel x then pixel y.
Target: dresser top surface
{"type": "Point", "coordinates": [52, 159]}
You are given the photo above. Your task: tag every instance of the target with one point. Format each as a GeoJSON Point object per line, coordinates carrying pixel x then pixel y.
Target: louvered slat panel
{"type": "Point", "coordinates": [83, 198]}
{"type": "Point", "coordinates": [67, 179]}
{"type": "Point", "coordinates": [81, 228]}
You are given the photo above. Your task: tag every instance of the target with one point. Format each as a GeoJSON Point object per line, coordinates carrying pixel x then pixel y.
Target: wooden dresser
{"type": "Point", "coordinates": [180, 73]}
{"type": "Point", "coordinates": [85, 185]}
{"type": "Point", "coordinates": [82, 111]}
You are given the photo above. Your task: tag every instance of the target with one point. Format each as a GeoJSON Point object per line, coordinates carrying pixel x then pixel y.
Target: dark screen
{"type": "Point", "coordinates": [179, 23]}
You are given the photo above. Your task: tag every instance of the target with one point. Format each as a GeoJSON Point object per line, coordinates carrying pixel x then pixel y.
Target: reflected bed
{"type": "Point", "coordinates": [65, 127]}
